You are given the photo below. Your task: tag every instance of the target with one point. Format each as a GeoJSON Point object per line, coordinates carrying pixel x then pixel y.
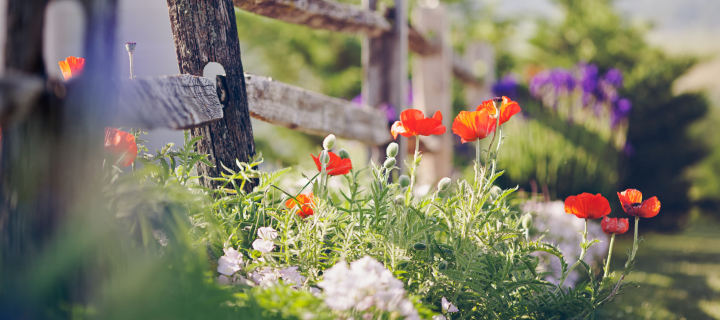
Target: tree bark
{"type": "Point", "coordinates": [205, 31]}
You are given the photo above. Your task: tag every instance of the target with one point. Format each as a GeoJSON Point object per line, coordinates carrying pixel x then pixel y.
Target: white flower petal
{"type": "Point", "coordinates": [267, 233]}
{"type": "Point", "coordinates": [263, 246]}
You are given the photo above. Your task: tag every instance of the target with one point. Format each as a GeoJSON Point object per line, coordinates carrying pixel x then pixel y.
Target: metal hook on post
{"type": "Point", "coordinates": [222, 89]}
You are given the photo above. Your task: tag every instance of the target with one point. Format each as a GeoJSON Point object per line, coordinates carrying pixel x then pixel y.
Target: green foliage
{"type": "Point", "coordinates": [467, 245]}
{"type": "Point", "coordinates": [662, 150]}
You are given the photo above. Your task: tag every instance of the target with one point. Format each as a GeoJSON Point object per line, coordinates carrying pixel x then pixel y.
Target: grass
{"type": "Point", "coordinates": [678, 275]}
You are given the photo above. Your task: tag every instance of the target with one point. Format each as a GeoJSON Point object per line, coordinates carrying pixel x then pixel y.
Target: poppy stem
{"type": "Point", "coordinates": [635, 241]}
{"type": "Point", "coordinates": [477, 164]}
{"type": "Point", "coordinates": [413, 173]}
{"type": "Point", "coordinates": [607, 263]}
{"type": "Point", "coordinates": [584, 248]}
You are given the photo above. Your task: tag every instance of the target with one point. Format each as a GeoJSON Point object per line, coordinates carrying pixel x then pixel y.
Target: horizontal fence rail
{"type": "Point", "coordinates": [314, 113]}
{"type": "Point", "coordinates": [333, 16]}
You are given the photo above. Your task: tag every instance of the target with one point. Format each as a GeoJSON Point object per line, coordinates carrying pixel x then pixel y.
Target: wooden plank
{"type": "Point", "coordinates": [176, 102]}
{"type": "Point", "coordinates": [320, 14]}
{"type": "Point", "coordinates": [310, 112]}
{"type": "Point", "coordinates": [432, 84]}
{"type": "Point", "coordinates": [339, 17]}
{"type": "Point", "coordinates": [205, 31]}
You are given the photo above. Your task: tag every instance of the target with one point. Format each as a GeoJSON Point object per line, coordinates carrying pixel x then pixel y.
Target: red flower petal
{"type": "Point", "coordinates": [649, 208]}
{"type": "Point", "coordinates": [587, 206]}
{"type": "Point", "coordinates": [305, 202]}
{"type": "Point", "coordinates": [614, 225]}
{"type": "Point", "coordinates": [474, 125]}
{"type": "Point", "coordinates": [413, 122]}
{"type": "Point", "coordinates": [508, 108]}
{"type": "Point", "coordinates": [121, 145]}
{"type": "Point", "coordinates": [336, 166]}
{"type": "Point", "coordinates": [72, 66]}
{"type": "Point", "coordinates": [629, 197]}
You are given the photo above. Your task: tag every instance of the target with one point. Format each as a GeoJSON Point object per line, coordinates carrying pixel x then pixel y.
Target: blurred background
{"type": "Point", "coordinates": [615, 95]}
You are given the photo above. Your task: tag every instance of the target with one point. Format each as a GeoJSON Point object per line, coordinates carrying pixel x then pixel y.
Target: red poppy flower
{"type": "Point", "coordinates": [413, 122]}
{"type": "Point", "coordinates": [614, 225]}
{"type": "Point", "coordinates": [633, 205]}
{"type": "Point", "coordinates": [121, 145]}
{"type": "Point", "coordinates": [474, 125]}
{"type": "Point", "coordinates": [336, 166]}
{"type": "Point", "coordinates": [508, 108]}
{"type": "Point", "coordinates": [304, 201]}
{"type": "Point", "coordinates": [72, 66]}
{"type": "Point", "coordinates": [587, 206]}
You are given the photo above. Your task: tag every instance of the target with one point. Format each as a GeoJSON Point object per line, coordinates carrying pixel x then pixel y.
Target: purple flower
{"type": "Point", "coordinates": [614, 77]}
{"type": "Point", "coordinates": [507, 86]}
{"type": "Point", "coordinates": [620, 111]}
{"type": "Point", "coordinates": [588, 76]}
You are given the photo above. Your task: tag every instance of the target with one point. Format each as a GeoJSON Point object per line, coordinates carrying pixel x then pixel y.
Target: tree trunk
{"type": "Point", "coordinates": [205, 31]}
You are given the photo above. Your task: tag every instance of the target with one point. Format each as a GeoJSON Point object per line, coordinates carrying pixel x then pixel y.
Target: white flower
{"type": "Point", "coordinates": [263, 246]}
{"type": "Point", "coordinates": [292, 276]}
{"type": "Point", "coordinates": [448, 306]}
{"type": "Point", "coordinates": [267, 233]}
{"type": "Point", "coordinates": [222, 279]}
{"type": "Point", "coordinates": [265, 276]}
{"type": "Point", "coordinates": [230, 262]}
{"type": "Point", "coordinates": [439, 317]}
{"type": "Point", "coordinates": [363, 285]}
{"type": "Point", "coordinates": [315, 291]}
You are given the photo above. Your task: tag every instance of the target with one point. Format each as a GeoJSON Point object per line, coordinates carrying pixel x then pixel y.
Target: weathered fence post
{"type": "Point", "coordinates": [384, 68]}
{"type": "Point", "coordinates": [432, 91]}
{"type": "Point", "coordinates": [481, 57]}
{"type": "Point", "coordinates": [205, 31]}
{"type": "Point", "coordinates": [51, 153]}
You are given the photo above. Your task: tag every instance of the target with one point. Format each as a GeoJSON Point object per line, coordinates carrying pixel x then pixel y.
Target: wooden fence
{"type": "Point", "coordinates": [52, 130]}
{"type": "Point", "coordinates": [205, 31]}
{"type": "Point", "coordinates": [385, 55]}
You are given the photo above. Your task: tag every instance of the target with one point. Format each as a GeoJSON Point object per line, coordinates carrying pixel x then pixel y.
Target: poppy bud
{"type": "Point", "coordinates": [420, 246]}
{"type": "Point", "coordinates": [344, 154]}
{"type": "Point", "coordinates": [443, 184]}
{"type": "Point", "coordinates": [389, 163]}
{"type": "Point", "coordinates": [399, 200]}
{"type": "Point", "coordinates": [392, 149]}
{"type": "Point", "coordinates": [324, 157]}
{"type": "Point", "coordinates": [404, 181]}
{"type": "Point", "coordinates": [527, 221]}
{"type": "Point", "coordinates": [614, 225]}
{"type": "Point", "coordinates": [495, 191]}
{"type": "Point", "coordinates": [443, 265]}
{"type": "Point", "coordinates": [329, 142]}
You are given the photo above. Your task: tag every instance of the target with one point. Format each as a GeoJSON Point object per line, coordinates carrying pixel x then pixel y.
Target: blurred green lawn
{"type": "Point", "coordinates": [679, 275]}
